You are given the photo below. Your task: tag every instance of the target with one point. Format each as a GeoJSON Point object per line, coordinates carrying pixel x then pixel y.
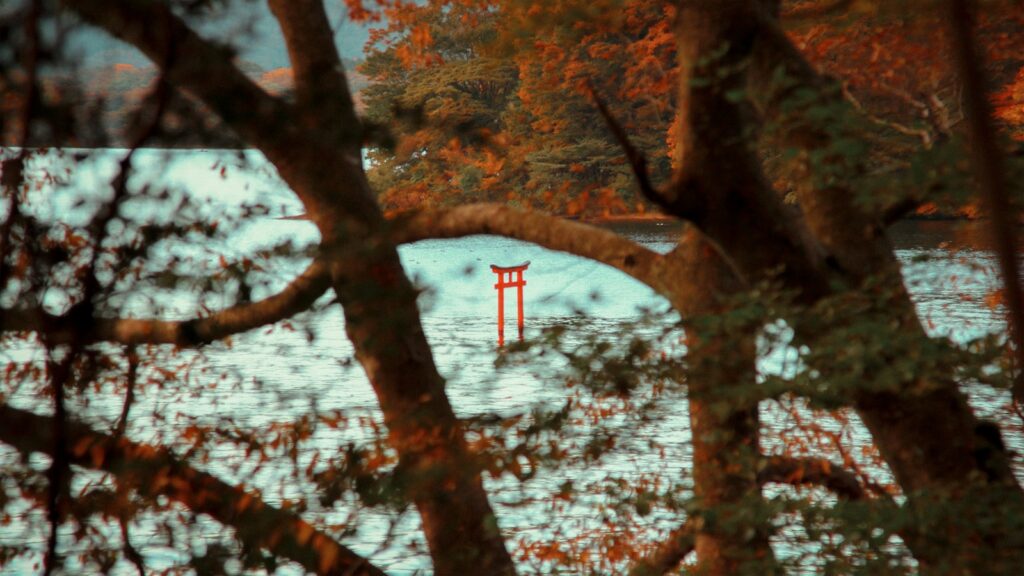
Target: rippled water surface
{"type": "Point", "coordinates": [276, 374]}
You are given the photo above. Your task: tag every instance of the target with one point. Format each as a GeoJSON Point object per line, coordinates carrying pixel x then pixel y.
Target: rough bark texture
{"type": "Point", "coordinates": [952, 467]}
{"type": "Point", "coordinates": [990, 171]}
{"type": "Point", "coordinates": [315, 146]}
{"type": "Point", "coordinates": [731, 534]}
{"type": "Point", "coordinates": [548, 231]}
{"type": "Point", "coordinates": [935, 445]}
{"type": "Point", "coordinates": [924, 429]}
{"type": "Point", "coordinates": [719, 184]}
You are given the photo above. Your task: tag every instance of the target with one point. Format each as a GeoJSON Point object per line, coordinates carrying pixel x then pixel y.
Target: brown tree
{"type": "Point", "coordinates": [742, 86]}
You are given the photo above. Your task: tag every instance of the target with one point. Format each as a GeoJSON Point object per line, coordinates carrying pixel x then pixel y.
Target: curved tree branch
{"type": "Point", "coordinates": [669, 553]}
{"type": "Point", "coordinates": [638, 162]}
{"type": "Point", "coordinates": [154, 471]}
{"type": "Point", "coordinates": [548, 231]}
{"type": "Point", "coordinates": [296, 297]}
{"type": "Point", "coordinates": [320, 84]}
{"type": "Point", "coordinates": [198, 65]}
{"type": "Point", "coordinates": [776, 469]}
{"type": "Point", "coordinates": [812, 471]}
{"type": "Point", "coordinates": [323, 168]}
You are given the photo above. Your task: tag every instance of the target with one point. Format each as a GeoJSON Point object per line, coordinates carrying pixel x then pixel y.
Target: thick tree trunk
{"type": "Point", "coordinates": [953, 467]}
{"type": "Point", "coordinates": [315, 146]}
{"type": "Point", "coordinates": [383, 323]}
{"type": "Point", "coordinates": [731, 532]}
{"type": "Point", "coordinates": [948, 463]}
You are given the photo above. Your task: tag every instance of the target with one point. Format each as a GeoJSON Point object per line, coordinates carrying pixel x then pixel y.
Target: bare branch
{"type": "Point", "coordinates": [56, 372]}
{"type": "Point", "coordinates": [59, 372]}
{"type": "Point", "coordinates": [130, 551]}
{"type": "Point", "coordinates": [58, 476]}
{"type": "Point", "coordinates": [940, 115]}
{"type": "Point", "coordinates": [634, 156]}
{"type": "Point", "coordinates": [320, 84]}
{"type": "Point", "coordinates": [812, 471]}
{"type": "Point", "coordinates": [192, 63]}
{"type": "Point", "coordinates": [817, 11]}
{"type": "Point", "coordinates": [131, 377]}
{"type": "Point", "coordinates": [669, 553]}
{"type": "Point", "coordinates": [926, 137]}
{"type": "Point", "coordinates": [154, 471]}
{"type": "Point", "coordinates": [548, 231]}
{"type": "Point", "coordinates": [296, 297]}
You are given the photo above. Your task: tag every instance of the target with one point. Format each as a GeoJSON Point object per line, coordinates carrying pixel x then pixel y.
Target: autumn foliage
{"type": "Point", "coordinates": [440, 83]}
{"type": "Point", "coordinates": [788, 407]}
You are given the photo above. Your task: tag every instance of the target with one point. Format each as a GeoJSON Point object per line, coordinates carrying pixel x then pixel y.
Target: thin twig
{"type": "Point", "coordinates": [927, 140]}
{"type": "Point", "coordinates": [57, 372]}
{"type": "Point", "coordinates": [129, 395]}
{"type": "Point", "coordinates": [130, 552]}
{"type": "Point", "coordinates": [636, 159]}
{"type": "Point", "coordinates": [11, 185]}
{"type": "Point", "coordinates": [60, 372]}
{"type": "Point", "coordinates": [820, 11]}
{"type": "Point", "coordinates": [638, 163]}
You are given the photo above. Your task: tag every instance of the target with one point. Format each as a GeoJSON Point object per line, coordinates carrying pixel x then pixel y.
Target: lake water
{"type": "Point", "coordinates": [276, 375]}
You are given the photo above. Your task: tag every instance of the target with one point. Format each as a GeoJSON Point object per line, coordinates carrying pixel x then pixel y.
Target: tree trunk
{"type": "Point", "coordinates": [383, 323]}
{"type": "Point", "coordinates": [732, 530]}
{"type": "Point", "coordinates": [952, 467]}
{"type": "Point", "coordinates": [315, 146]}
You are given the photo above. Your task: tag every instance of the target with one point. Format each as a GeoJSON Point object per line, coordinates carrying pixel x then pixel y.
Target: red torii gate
{"type": "Point", "coordinates": [505, 281]}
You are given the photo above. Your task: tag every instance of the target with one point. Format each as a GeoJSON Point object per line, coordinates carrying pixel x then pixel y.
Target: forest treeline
{"type": "Point", "coordinates": [497, 101]}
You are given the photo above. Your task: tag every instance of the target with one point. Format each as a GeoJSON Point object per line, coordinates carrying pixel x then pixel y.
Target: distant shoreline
{"type": "Point", "coordinates": [658, 217]}
{"type": "Point", "coordinates": [611, 219]}
{"type": "Point", "coordinates": [636, 218]}
{"type": "Point", "coordinates": [654, 217]}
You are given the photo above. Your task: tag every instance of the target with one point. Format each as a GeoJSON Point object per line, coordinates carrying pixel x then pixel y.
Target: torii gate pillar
{"type": "Point", "coordinates": [506, 280]}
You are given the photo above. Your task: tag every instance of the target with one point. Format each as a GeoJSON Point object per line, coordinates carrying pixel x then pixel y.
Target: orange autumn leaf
{"type": "Point", "coordinates": [995, 299]}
